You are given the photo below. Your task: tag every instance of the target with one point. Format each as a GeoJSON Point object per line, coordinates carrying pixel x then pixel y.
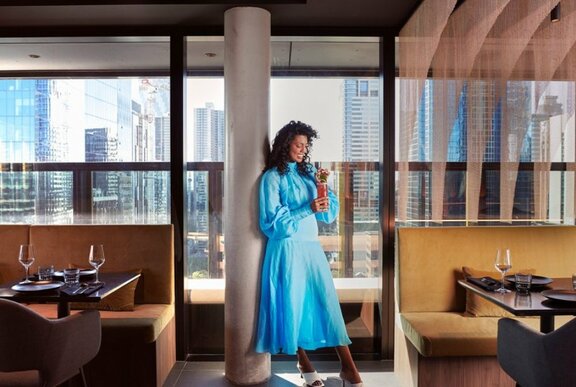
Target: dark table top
{"type": "Point", "coordinates": [112, 282]}
{"type": "Point", "coordinates": [533, 304]}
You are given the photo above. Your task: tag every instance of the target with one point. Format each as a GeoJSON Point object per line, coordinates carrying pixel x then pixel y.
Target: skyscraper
{"type": "Point", "coordinates": [36, 119]}
{"type": "Point", "coordinates": [208, 134]}
{"type": "Point", "coordinates": [362, 143]}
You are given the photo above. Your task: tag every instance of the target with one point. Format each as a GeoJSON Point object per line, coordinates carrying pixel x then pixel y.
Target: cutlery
{"type": "Point", "coordinates": [81, 288]}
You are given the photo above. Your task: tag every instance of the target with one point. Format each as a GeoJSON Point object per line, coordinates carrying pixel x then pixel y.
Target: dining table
{"type": "Point", "coordinates": [84, 291]}
{"type": "Point", "coordinates": [538, 302]}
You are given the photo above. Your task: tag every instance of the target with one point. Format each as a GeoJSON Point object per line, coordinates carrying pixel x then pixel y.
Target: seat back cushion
{"type": "Point", "coordinates": [12, 236]}
{"type": "Point", "coordinates": [127, 248]}
{"type": "Point", "coordinates": [429, 260]}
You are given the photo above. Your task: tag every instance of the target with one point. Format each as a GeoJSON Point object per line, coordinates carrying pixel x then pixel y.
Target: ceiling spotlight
{"type": "Point", "coordinates": [210, 54]}
{"type": "Point", "coordinates": [555, 14]}
{"type": "Point", "coordinates": [34, 56]}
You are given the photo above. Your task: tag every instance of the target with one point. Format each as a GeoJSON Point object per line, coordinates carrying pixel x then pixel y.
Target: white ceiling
{"type": "Point", "coordinates": [206, 53]}
{"type": "Point", "coordinates": [145, 53]}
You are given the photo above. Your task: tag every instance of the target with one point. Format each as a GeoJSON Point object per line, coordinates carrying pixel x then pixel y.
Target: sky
{"type": "Point", "coordinates": [317, 102]}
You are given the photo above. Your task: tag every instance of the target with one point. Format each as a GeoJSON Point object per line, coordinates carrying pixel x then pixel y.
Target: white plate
{"type": "Point", "coordinates": [83, 272]}
{"type": "Point", "coordinates": [37, 286]}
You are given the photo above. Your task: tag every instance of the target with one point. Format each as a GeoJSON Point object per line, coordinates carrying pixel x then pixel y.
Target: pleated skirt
{"type": "Point", "coordinates": [299, 306]}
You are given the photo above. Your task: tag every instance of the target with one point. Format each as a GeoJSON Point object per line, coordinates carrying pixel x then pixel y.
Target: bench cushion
{"type": "Point", "coordinates": [144, 323]}
{"type": "Point", "coordinates": [457, 334]}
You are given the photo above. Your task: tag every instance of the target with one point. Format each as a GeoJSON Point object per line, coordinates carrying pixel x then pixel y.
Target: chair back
{"type": "Point", "coordinates": [57, 349]}
{"type": "Point", "coordinates": [23, 336]}
{"type": "Point", "coordinates": [534, 359]}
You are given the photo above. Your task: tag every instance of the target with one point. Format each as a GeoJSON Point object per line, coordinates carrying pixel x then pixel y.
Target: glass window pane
{"type": "Point", "coordinates": [61, 137]}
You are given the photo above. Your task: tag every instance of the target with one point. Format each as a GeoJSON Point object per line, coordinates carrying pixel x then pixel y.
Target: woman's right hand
{"type": "Point", "coordinates": [320, 204]}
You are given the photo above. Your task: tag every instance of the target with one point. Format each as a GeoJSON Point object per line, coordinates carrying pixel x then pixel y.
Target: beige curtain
{"type": "Point", "coordinates": [418, 42]}
{"type": "Point", "coordinates": [487, 62]}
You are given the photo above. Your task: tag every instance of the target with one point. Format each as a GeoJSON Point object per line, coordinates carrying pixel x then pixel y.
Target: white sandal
{"type": "Point", "coordinates": [311, 378]}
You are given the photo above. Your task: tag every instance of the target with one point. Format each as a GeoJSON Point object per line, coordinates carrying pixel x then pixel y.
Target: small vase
{"type": "Point", "coordinates": [322, 189]}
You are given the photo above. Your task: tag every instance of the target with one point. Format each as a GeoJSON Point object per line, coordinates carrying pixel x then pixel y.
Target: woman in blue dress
{"type": "Point", "coordinates": [299, 307]}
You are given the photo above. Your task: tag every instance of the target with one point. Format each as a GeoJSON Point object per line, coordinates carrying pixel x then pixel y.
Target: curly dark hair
{"type": "Point", "coordinates": [279, 156]}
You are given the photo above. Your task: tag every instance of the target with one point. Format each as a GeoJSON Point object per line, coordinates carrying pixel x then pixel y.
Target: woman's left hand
{"type": "Point", "coordinates": [320, 204]}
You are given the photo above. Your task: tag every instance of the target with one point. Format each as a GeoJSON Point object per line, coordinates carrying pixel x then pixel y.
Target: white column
{"type": "Point", "coordinates": [247, 89]}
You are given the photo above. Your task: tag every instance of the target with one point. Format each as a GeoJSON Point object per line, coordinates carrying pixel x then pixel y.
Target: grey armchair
{"type": "Point", "coordinates": [534, 359]}
{"type": "Point", "coordinates": [35, 351]}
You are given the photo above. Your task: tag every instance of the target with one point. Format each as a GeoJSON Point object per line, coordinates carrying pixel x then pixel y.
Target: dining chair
{"type": "Point", "coordinates": [535, 359]}
{"type": "Point", "coordinates": [36, 351]}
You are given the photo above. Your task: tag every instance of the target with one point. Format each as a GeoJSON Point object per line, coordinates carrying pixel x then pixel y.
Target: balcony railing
{"type": "Point", "coordinates": [138, 192]}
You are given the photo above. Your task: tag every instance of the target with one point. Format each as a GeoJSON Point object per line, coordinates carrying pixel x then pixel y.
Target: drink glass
{"type": "Point", "coordinates": [322, 189]}
{"type": "Point", "coordinates": [574, 281]}
{"type": "Point", "coordinates": [26, 258]}
{"type": "Point", "coordinates": [523, 283]}
{"type": "Point", "coordinates": [71, 276]}
{"type": "Point", "coordinates": [522, 300]}
{"type": "Point", "coordinates": [96, 259]}
{"type": "Point", "coordinates": [45, 273]}
{"type": "Point", "coordinates": [503, 263]}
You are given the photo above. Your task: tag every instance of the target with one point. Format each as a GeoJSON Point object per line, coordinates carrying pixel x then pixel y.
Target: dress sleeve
{"type": "Point", "coordinates": [277, 221]}
{"type": "Point", "coordinates": [330, 215]}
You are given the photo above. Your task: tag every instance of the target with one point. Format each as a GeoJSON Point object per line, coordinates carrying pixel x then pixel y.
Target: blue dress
{"type": "Point", "coordinates": [299, 306]}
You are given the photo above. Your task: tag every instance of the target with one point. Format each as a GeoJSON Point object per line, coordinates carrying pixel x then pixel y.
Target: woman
{"type": "Point", "coordinates": [299, 308]}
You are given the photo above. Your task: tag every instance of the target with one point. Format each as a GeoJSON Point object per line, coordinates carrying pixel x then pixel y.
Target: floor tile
{"type": "Point", "coordinates": [284, 374]}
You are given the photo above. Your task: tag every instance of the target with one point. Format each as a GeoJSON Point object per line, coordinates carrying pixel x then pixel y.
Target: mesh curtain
{"type": "Point", "coordinates": [504, 60]}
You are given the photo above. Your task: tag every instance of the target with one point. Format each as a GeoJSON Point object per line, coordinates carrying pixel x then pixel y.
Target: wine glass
{"type": "Point", "coordinates": [503, 263]}
{"type": "Point", "coordinates": [96, 259]}
{"type": "Point", "coordinates": [26, 258]}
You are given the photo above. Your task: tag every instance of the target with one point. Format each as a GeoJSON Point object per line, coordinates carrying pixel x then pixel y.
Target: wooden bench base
{"type": "Point", "coordinates": [414, 370]}
{"type": "Point", "coordinates": [134, 364]}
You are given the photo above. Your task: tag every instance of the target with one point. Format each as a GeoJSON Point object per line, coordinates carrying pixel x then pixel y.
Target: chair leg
{"type": "Point", "coordinates": [84, 384]}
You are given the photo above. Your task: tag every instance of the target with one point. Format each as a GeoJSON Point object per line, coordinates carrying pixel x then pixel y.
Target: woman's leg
{"type": "Point", "coordinates": [349, 370]}
{"type": "Point", "coordinates": [304, 362]}
{"type": "Point", "coordinates": [306, 367]}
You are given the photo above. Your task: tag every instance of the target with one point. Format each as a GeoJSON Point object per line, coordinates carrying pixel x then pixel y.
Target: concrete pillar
{"type": "Point", "coordinates": [247, 89]}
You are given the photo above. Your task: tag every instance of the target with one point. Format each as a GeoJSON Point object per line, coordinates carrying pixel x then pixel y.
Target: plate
{"type": "Point", "coordinates": [37, 286]}
{"type": "Point", "coordinates": [560, 295]}
{"type": "Point", "coordinates": [83, 272]}
{"type": "Point", "coordinates": [536, 280]}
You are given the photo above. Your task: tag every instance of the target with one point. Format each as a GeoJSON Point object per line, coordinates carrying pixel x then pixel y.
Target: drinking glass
{"type": "Point", "coordinates": [26, 258]}
{"type": "Point", "coordinates": [503, 263]}
{"type": "Point", "coordinates": [96, 259]}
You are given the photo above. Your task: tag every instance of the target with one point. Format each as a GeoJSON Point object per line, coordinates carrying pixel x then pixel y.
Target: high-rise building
{"type": "Point", "coordinates": [208, 146]}
{"type": "Point", "coordinates": [37, 116]}
{"type": "Point", "coordinates": [102, 146]}
{"type": "Point", "coordinates": [362, 143]}
{"type": "Point", "coordinates": [162, 132]}
{"type": "Point", "coordinates": [208, 134]}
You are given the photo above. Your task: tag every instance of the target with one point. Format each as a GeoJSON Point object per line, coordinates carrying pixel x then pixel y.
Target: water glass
{"type": "Point", "coordinates": [522, 300]}
{"type": "Point", "coordinates": [523, 282]}
{"type": "Point", "coordinates": [574, 281]}
{"type": "Point", "coordinates": [71, 276]}
{"type": "Point", "coordinates": [45, 272]}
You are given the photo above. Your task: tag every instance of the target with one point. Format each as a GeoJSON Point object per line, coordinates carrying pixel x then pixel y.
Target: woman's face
{"type": "Point", "coordinates": [298, 148]}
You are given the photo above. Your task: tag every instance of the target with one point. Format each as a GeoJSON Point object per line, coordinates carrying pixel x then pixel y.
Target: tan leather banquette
{"type": "Point", "coordinates": [438, 340]}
